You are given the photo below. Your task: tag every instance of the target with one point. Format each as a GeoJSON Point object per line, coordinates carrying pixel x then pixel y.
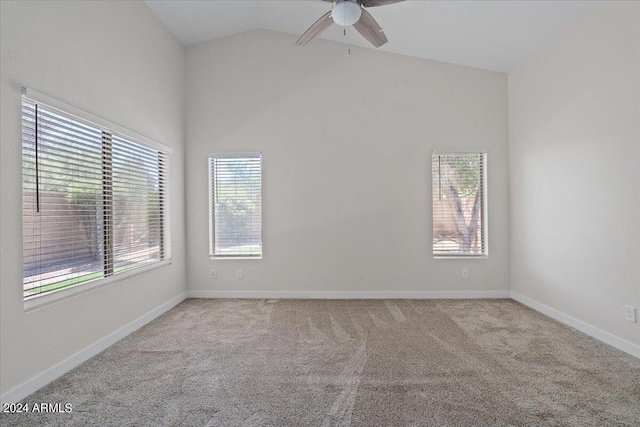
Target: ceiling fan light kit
{"type": "Point", "coordinates": [346, 13]}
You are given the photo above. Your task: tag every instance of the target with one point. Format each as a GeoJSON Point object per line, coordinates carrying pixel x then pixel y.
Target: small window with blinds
{"type": "Point", "coordinates": [235, 196]}
{"type": "Point", "coordinates": [94, 201]}
{"type": "Point", "coordinates": [459, 204]}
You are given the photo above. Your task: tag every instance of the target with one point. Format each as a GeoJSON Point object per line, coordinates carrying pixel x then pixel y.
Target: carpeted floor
{"type": "Point", "coordinates": [349, 362]}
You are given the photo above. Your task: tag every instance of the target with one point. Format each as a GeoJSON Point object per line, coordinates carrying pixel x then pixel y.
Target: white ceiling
{"type": "Point", "coordinates": [494, 35]}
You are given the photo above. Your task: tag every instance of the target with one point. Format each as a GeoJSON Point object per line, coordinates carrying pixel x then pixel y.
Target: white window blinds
{"type": "Point", "coordinates": [94, 201]}
{"type": "Point", "coordinates": [459, 204]}
{"type": "Point", "coordinates": [138, 184]}
{"type": "Point", "coordinates": [235, 187]}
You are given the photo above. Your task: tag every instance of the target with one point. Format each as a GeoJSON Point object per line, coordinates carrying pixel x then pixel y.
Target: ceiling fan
{"type": "Point", "coordinates": [346, 13]}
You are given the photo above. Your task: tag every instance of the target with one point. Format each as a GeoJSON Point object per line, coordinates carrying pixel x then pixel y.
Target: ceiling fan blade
{"type": "Point", "coordinates": [374, 3]}
{"type": "Point", "coordinates": [370, 30]}
{"type": "Point", "coordinates": [316, 29]}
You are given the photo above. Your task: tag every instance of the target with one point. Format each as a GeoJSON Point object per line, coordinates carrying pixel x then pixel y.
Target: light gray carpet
{"type": "Point", "coordinates": [349, 362]}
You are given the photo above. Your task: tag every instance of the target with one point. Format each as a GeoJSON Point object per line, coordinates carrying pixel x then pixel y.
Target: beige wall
{"type": "Point", "coordinates": [346, 142]}
{"type": "Point", "coordinates": [114, 60]}
{"type": "Point", "coordinates": [574, 131]}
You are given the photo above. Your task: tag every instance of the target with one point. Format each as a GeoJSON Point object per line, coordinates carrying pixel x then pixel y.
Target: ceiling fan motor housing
{"type": "Point", "coordinates": [346, 12]}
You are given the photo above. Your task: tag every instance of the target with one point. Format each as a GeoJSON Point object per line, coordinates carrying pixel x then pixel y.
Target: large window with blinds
{"type": "Point", "coordinates": [459, 200]}
{"type": "Point", "coordinates": [235, 200]}
{"type": "Point", "coordinates": [94, 201]}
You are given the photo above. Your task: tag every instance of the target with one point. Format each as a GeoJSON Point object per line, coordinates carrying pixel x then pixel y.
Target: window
{"type": "Point", "coordinates": [459, 203]}
{"type": "Point", "coordinates": [94, 201]}
{"type": "Point", "coordinates": [235, 215]}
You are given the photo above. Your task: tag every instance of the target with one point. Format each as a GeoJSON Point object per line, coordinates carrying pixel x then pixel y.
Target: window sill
{"type": "Point", "coordinates": [47, 299]}
{"type": "Point", "coordinates": [460, 256]}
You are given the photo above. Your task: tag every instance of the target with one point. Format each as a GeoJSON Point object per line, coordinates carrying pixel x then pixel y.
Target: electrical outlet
{"type": "Point", "coordinates": [465, 273]}
{"type": "Point", "coordinates": [239, 273]}
{"type": "Point", "coordinates": [214, 274]}
{"type": "Point", "coordinates": [630, 313]}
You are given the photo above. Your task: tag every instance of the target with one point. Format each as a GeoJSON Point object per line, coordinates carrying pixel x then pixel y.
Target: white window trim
{"type": "Point", "coordinates": [45, 299]}
{"type": "Point", "coordinates": [210, 199]}
{"type": "Point", "coordinates": [458, 150]}
{"type": "Point", "coordinates": [485, 207]}
{"type": "Point", "coordinates": [99, 122]}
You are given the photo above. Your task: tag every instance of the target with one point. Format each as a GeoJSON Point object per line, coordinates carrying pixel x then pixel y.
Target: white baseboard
{"type": "Point", "coordinates": [82, 356]}
{"type": "Point", "coordinates": [350, 294]}
{"type": "Point", "coordinates": [596, 333]}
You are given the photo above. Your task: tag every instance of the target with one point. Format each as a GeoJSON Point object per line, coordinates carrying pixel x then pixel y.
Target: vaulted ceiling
{"type": "Point", "coordinates": [494, 35]}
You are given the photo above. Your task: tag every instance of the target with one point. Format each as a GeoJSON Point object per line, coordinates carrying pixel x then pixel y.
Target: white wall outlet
{"type": "Point", "coordinates": [239, 273]}
{"type": "Point", "coordinates": [630, 313]}
{"type": "Point", "coordinates": [214, 274]}
{"type": "Point", "coordinates": [465, 273]}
